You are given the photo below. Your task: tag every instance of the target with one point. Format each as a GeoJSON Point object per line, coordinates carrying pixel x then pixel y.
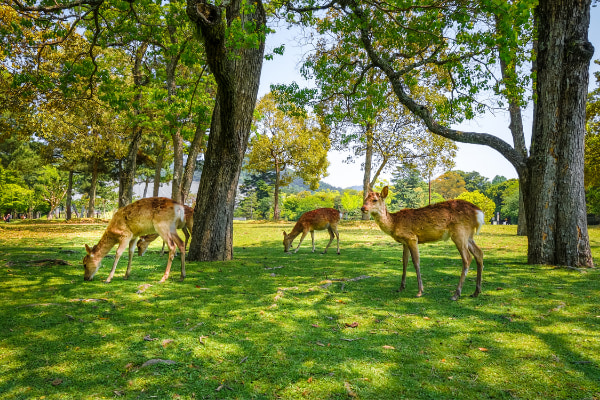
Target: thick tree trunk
{"type": "Point", "coordinates": [236, 69]}
{"type": "Point", "coordinates": [555, 197]}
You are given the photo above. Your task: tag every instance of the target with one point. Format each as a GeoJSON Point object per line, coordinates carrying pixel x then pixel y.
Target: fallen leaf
{"type": "Point", "coordinates": [483, 349]}
{"type": "Point", "coordinates": [389, 347]}
{"type": "Point", "coordinates": [166, 342]}
{"type": "Point", "coordinates": [320, 344]}
{"type": "Point", "coordinates": [352, 325]}
{"type": "Point", "coordinates": [310, 379]}
{"type": "Point", "coordinates": [349, 390]}
{"type": "Point", "coordinates": [57, 382]}
{"type": "Point", "coordinates": [149, 338]}
{"type": "Point", "coordinates": [314, 325]}
{"type": "Point", "coordinates": [157, 361]}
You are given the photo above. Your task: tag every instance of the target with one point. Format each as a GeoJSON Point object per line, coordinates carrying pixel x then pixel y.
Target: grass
{"type": "Point", "coordinates": [270, 325]}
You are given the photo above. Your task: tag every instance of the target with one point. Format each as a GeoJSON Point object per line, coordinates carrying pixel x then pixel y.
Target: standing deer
{"type": "Point", "coordinates": [458, 220]}
{"type": "Point", "coordinates": [186, 227]}
{"type": "Point", "coordinates": [311, 221]}
{"type": "Point", "coordinates": [151, 215]}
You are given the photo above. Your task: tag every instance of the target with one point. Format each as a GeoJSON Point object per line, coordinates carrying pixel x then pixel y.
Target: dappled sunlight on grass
{"type": "Point", "coordinates": [307, 325]}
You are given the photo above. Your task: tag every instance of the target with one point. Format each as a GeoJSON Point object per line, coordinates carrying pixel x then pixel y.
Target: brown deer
{"type": "Point", "coordinates": [186, 227]}
{"type": "Point", "coordinates": [458, 220]}
{"type": "Point", "coordinates": [311, 221]}
{"type": "Point", "coordinates": [150, 215]}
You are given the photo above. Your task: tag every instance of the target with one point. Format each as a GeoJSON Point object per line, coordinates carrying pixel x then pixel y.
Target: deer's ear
{"type": "Point", "coordinates": [88, 249]}
{"type": "Point", "coordinates": [284, 235]}
{"type": "Point", "coordinates": [384, 192]}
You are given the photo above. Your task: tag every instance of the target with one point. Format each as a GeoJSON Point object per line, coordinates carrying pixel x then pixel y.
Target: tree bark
{"type": "Point", "coordinates": [236, 69]}
{"type": "Point", "coordinates": [555, 196]}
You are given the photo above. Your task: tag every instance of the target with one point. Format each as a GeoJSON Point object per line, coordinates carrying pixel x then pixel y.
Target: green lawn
{"type": "Point", "coordinates": [270, 325]}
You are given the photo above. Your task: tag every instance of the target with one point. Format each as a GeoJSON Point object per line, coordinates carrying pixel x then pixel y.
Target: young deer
{"type": "Point", "coordinates": [186, 227]}
{"type": "Point", "coordinates": [458, 220]}
{"type": "Point", "coordinates": [311, 221]}
{"type": "Point", "coordinates": [151, 215]}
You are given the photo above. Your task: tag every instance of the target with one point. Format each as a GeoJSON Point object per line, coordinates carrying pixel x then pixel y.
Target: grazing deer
{"type": "Point", "coordinates": [458, 220]}
{"type": "Point", "coordinates": [186, 227]}
{"type": "Point", "coordinates": [311, 221]}
{"type": "Point", "coordinates": [150, 215]}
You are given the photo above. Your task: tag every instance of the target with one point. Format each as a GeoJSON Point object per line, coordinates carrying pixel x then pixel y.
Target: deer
{"type": "Point", "coordinates": [186, 227]}
{"type": "Point", "coordinates": [143, 217]}
{"type": "Point", "coordinates": [456, 219]}
{"type": "Point", "coordinates": [311, 221]}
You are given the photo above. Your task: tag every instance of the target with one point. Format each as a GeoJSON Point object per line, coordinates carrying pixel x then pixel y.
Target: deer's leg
{"type": "Point", "coordinates": [331, 237]}
{"type": "Point", "coordinates": [478, 254]}
{"type": "Point", "coordinates": [120, 249]}
{"type": "Point", "coordinates": [413, 247]}
{"type": "Point", "coordinates": [181, 245]}
{"type": "Point", "coordinates": [186, 232]}
{"type": "Point", "coordinates": [337, 235]}
{"type": "Point", "coordinates": [405, 254]}
{"type": "Point", "coordinates": [312, 239]}
{"type": "Point", "coordinates": [301, 239]}
{"type": "Point", "coordinates": [132, 244]}
{"type": "Point", "coordinates": [463, 249]}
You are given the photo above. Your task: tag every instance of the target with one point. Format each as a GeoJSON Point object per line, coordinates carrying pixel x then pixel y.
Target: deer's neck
{"type": "Point", "coordinates": [384, 219]}
{"type": "Point", "coordinates": [106, 243]}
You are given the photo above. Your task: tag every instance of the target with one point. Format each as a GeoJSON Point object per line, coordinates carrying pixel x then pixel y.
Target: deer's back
{"type": "Point", "coordinates": [141, 216]}
{"type": "Point", "coordinates": [318, 219]}
{"type": "Point", "coordinates": [435, 222]}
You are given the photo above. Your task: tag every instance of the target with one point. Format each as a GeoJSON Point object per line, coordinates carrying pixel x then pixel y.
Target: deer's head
{"type": "Point", "coordinates": [90, 264]}
{"type": "Point", "coordinates": [374, 203]}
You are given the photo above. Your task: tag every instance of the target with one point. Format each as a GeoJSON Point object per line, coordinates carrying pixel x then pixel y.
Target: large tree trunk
{"type": "Point", "coordinates": [236, 69]}
{"type": "Point", "coordinates": [555, 196]}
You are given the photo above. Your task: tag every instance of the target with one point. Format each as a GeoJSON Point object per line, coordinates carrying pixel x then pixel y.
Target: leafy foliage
{"type": "Point", "coordinates": [480, 200]}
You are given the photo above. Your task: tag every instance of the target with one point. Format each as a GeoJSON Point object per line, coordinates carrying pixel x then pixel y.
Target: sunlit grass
{"type": "Point", "coordinates": [271, 325]}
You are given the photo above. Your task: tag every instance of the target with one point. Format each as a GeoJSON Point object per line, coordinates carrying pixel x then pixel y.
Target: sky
{"type": "Point", "coordinates": [486, 161]}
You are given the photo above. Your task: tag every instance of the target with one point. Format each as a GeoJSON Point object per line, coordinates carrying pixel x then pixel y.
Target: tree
{"type": "Point", "coordinates": [401, 40]}
{"type": "Point", "coordinates": [351, 201]}
{"type": "Point", "coordinates": [234, 41]}
{"type": "Point", "coordinates": [449, 185]}
{"type": "Point", "coordinates": [480, 200]}
{"type": "Point", "coordinates": [474, 181]}
{"type": "Point", "coordinates": [284, 142]}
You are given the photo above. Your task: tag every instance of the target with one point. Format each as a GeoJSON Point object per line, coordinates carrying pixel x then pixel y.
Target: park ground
{"type": "Point", "coordinates": [270, 325]}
